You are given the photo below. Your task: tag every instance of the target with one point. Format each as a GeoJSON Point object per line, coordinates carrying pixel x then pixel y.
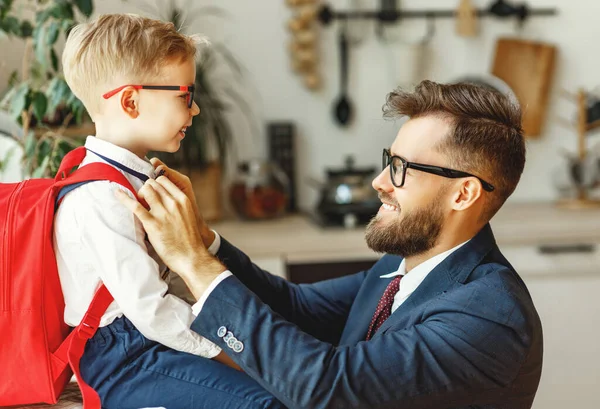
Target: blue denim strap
{"type": "Point", "coordinates": [124, 168]}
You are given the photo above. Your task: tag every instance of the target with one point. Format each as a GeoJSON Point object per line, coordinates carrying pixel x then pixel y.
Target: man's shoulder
{"type": "Point", "coordinates": [497, 274]}
{"type": "Point", "coordinates": [494, 289]}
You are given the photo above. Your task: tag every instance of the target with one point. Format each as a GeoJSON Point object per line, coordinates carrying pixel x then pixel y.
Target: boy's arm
{"type": "Point", "coordinates": [112, 241]}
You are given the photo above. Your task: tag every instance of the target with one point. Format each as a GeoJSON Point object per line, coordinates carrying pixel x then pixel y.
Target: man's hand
{"type": "Point", "coordinates": [185, 185]}
{"type": "Point", "coordinates": [173, 232]}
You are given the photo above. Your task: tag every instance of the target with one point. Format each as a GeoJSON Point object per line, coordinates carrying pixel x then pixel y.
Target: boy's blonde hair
{"type": "Point", "coordinates": [121, 47]}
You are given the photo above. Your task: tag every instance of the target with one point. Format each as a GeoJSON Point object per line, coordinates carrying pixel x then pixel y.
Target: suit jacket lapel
{"type": "Point", "coordinates": [451, 272]}
{"type": "Point", "coordinates": [436, 283]}
{"type": "Point", "coordinates": [366, 301]}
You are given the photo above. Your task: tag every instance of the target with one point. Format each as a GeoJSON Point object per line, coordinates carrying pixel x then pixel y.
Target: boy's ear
{"type": "Point", "coordinates": [130, 99]}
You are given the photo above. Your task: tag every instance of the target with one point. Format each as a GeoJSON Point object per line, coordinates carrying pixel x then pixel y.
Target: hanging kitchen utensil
{"type": "Point", "coordinates": [343, 107]}
{"type": "Point", "coordinates": [527, 67]}
{"type": "Point", "coordinates": [357, 28]}
{"type": "Point", "coordinates": [418, 49]}
{"type": "Point", "coordinates": [466, 19]}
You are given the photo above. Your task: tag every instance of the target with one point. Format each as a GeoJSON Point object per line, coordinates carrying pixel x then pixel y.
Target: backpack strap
{"type": "Point", "coordinates": [72, 348]}
{"type": "Point", "coordinates": [71, 159]}
{"type": "Point", "coordinates": [89, 173]}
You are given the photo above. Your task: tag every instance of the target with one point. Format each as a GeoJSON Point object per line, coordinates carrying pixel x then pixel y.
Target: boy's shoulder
{"type": "Point", "coordinates": [93, 197]}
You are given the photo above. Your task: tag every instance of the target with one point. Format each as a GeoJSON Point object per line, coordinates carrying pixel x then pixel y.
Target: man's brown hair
{"type": "Point", "coordinates": [486, 138]}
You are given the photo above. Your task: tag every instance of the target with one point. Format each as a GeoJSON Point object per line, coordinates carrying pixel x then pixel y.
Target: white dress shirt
{"type": "Point", "coordinates": [98, 240]}
{"type": "Point", "coordinates": [408, 284]}
{"type": "Point", "coordinates": [411, 280]}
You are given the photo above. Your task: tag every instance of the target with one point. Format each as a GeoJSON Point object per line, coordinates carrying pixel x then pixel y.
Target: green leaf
{"type": "Point", "coordinates": [56, 92]}
{"type": "Point", "coordinates": [5, 6]}
{"type": "Point", "coordinates": [66, 26]}
{"type": "Point", "coordinates": [40, 105]}
{"type": "Point", "coordinates": [39, 45]}
{"type": "Point", "coordinates": [26, 29]}
{"type": "Point", "coordinates": [6, 158]}
{"type": "Point", "coordinates": [44, 149]}
{"type": "Point", "coordinates": [19, 101]}
{"type": "Point", "coordinates": [62, 10]}
{"type": "Point", "coordinates": [13, 79]}
{"type": "Point", "coordinates": [85, 6]}
{"type": "Point", "coordinates": [72, 99]}
{"type": "Point", "coordinates": [30, 143]}
{"type": "Point", "coordinates": [54, 59]}
{"type": "Point", "coordinates": [7, 99]}
{"type": "Point", "coordinates": [11, 25]}
{"type": "Point", "coordinates": [42, 16]}
{"type": "Point", "coordinates": [52, 32]}
{"type": "Point", "coordinates": [77, 109]}
{"type": "Point", "coordinates": [39, 172]}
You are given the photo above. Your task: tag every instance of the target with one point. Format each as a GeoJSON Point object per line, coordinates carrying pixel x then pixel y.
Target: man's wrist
{"type": "Point", "coordinates": [203, 269]}
{"type": "Point", "coordinates": [208, 236]}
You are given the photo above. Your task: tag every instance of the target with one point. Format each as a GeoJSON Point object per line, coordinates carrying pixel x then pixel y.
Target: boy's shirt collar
{"type": "Point", "coordinates": [120, 155]}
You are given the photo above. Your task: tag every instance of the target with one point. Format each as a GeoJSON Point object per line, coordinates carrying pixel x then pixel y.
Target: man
{"type": "Point", "coordinates": [441, 321]}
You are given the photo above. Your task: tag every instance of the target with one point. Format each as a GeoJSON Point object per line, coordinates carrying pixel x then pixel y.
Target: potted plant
{"type": "Point", "coordinates": [204, 151]}
{"type": "Point", "coordinates": [38, 97]}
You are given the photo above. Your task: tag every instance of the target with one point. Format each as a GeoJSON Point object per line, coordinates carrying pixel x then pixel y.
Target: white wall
{"type": "Point", "coordinates": [257, 34]}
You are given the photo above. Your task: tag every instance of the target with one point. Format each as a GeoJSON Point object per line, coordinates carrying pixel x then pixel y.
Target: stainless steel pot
{"type": "Point", "coordinates": [348, 191]}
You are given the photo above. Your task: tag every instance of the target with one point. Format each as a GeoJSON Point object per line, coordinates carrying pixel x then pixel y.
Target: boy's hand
{"type": "Point", "coordinates": [185, 185]}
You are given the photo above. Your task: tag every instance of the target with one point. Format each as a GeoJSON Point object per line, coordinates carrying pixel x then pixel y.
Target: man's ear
{"type": "Point", "coordinates": [468, 193]}
{"type": "Point", "coordinates": [130, 102]}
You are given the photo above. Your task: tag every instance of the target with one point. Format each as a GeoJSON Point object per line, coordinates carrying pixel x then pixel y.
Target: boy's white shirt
{"type": "Point", "coordinates": [98, 240]}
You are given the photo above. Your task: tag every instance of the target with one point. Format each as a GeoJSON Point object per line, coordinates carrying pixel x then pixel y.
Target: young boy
{"type": "Point", "coordinates": [135, 77]}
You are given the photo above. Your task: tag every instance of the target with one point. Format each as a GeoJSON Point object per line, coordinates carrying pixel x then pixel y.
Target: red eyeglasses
{"type": "Point", "coordinates": [187, 88]}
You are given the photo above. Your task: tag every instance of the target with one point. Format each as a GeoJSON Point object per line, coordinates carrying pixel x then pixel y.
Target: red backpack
{"type": "Point", "coordinates": [37, 349]}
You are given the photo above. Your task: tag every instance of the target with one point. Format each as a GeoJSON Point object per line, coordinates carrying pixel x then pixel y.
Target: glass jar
{"type": "Point", "coordinates": [260, 190]}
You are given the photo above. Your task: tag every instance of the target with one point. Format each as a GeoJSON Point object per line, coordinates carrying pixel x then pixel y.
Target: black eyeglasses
{"type": "Point", "coordinates": [187, 88]}
{"type": "Point", "coordinates": [398, 166]}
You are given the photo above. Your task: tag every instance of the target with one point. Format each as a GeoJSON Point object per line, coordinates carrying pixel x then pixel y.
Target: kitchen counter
{"type": "Point", "coordinates": [297, 239]}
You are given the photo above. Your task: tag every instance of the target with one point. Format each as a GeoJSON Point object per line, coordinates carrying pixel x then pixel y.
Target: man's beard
{"type": "Point", "coordinates": [415, 233]}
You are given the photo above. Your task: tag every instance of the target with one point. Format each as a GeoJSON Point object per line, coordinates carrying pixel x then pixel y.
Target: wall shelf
{"type": "Point", "coordinates": [499, 8]}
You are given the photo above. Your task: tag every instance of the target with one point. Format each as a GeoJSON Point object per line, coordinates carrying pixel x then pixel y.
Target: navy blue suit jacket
{"type": "Point", "coordinates": [468, 337]}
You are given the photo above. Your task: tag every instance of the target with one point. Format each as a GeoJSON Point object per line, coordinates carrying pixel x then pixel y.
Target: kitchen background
{"type": "Point", "coordinates": [258, 36]}
{"type": "Point", "coordinates": [555, 250]}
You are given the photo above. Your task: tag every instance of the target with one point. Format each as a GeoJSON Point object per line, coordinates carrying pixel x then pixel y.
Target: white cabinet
{"type": "Point", "coordinates": [569, 311]}
{"type": "Point", "coordinates": [274, 265]}
{"type": "Point", "coordinates": [566, 291]}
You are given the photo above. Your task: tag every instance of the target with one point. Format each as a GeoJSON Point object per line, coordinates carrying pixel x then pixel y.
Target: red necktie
{"type": "Point", "coordinates": [384, 308]}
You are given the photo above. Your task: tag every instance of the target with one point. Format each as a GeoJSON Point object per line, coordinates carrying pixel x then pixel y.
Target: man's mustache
{"type": "Point", "coordinates": [386, 198]}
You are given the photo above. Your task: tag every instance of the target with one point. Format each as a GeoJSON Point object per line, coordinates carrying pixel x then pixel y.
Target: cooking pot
{"type": "Point", "coordinates": [347, 191]}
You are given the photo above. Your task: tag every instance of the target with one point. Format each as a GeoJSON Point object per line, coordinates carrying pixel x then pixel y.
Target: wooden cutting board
{"type": "Point", "coordinates": [527, 67]}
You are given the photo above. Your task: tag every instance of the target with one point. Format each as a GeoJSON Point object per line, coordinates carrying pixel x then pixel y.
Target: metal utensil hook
{"type": "Point", "coordinates": [430, 31]}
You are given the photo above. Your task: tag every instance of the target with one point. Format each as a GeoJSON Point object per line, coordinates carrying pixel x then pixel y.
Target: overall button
{"type": "Point", "coordinates": [221, 332]}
